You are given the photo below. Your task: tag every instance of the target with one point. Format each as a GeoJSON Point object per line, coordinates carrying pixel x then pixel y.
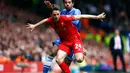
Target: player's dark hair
{"type": "Point", "coordinates": [55, 8]}
{"type": "Point", "coordinates": [71, 0]}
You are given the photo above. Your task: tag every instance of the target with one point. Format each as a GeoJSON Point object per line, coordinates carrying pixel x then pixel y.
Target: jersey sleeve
{"type": "Point", "coordinates": [49, 21]}
{"type": "Point", "coordinates": [77, 12]}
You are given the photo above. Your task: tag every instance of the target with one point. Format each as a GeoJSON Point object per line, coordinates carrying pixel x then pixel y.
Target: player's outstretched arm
{"type": "Point", "coordinates": [100, 16]}
{"type": "Point", "coordinates": [33, 26]}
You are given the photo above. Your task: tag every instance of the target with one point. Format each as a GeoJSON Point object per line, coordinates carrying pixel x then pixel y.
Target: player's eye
{"type": "Point", "coordinates": [54, 14]}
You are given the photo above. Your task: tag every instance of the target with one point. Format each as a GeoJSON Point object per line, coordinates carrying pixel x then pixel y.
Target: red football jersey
{"type": "Point", "coordinates": [64, 27]}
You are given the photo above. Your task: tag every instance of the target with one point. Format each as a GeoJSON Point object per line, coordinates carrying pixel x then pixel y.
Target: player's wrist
{"type": "Point", "coordinates": [35, 25]}
{"type": "Point", "coordinates": [97, 17]}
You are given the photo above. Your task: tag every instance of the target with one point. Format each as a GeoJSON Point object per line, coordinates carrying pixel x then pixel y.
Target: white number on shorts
{"type": "Point", "coordinates": [77, 46]}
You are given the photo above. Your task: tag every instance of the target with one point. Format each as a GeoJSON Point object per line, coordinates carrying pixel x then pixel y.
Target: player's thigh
{"type": "Point", "coordinates": [78, 51]}
{"type": "Point", "coordinates": [63, 51]}
{"type": "Point", "coordinates": [60, 56]}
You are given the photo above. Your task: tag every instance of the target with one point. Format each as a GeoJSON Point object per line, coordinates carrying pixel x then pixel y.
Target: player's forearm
{"type": "Point", "coordinates": [77, 17]}
{"type": "Point", "coordinates": [41, 22]}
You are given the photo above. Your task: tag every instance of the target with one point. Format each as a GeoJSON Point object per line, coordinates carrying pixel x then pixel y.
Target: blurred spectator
{"type": "Point", "coordinates": [117, 49]}
{"type": "Point", "coordinates": [128, 43]}
{"type": "Point", "coordinates": [21, 58]}
{"type": "Point", "coordinates": [128, 46]}
{"type": "Point", "coordinates": [4, 56]}
{"type": "Point", "coordinates": [122, 20]}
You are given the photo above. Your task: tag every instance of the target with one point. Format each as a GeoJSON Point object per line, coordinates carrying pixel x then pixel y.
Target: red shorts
{"type": "Point", "coordinates": [72, 43]}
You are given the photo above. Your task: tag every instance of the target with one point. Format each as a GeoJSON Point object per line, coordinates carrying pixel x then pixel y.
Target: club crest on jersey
{"type": "Point", "coordinates": [62, 23]}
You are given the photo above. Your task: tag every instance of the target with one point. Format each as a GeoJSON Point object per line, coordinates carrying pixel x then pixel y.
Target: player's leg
{"type": "Point", "coordinates": [67, 61]}
{"type": "Point", "coordinates": [61, 54]}
{"type": "Point", "coordinates": [47, 64]}
{"type": "Point", "coordinates": [49, 59]}
{"type": "Point", "coordinates": [51, 55]}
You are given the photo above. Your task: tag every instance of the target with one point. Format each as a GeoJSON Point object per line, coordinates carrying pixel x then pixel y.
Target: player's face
{"type": "Point", "coordinates": [55, 15]}
{"type": "Point", "coordinates": [68, 4]}
{"type": "Point", "coordinates": [117, 32]}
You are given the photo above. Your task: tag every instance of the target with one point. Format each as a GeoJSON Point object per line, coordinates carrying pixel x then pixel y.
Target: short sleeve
{"type": "Point", "coordinates": [77, 12]}
{"type": "Point", "coordinates": [49, 21]}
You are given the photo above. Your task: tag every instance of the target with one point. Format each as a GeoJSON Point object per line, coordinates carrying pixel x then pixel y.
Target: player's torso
{"type": "Point", "coordinates": [64, 29]}
{"type": "Point", "coordinates": [65, 12]}
{"type": "Point", "coordinates": [72, 12]}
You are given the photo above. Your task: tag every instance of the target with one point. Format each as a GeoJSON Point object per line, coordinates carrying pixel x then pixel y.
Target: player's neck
{"type": "Point", "coordinates": [68, 10]}
{"type": "Point", "coordinates": [55, 21]}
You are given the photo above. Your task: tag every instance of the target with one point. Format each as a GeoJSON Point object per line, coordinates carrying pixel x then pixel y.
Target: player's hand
{"type": "Point", "coordinates": [30, 26]}
{"type": "Point", "coordinates": [101, 16]}
{"type": "Point", "coordinates": [48, 4]}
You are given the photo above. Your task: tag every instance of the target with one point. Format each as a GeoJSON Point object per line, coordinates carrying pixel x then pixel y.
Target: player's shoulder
{"type": "Point", "coordinates": [49, 20]}
{"type": "Point", "coordinates": [62, 11]}
{"type": "Point", "coordinates": [75, 9]}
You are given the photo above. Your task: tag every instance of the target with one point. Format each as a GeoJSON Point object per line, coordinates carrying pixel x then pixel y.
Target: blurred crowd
{"type": "Point", "coordinates": [117, 12]}
{"type": "Point", "coordinates": [16, 42]}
